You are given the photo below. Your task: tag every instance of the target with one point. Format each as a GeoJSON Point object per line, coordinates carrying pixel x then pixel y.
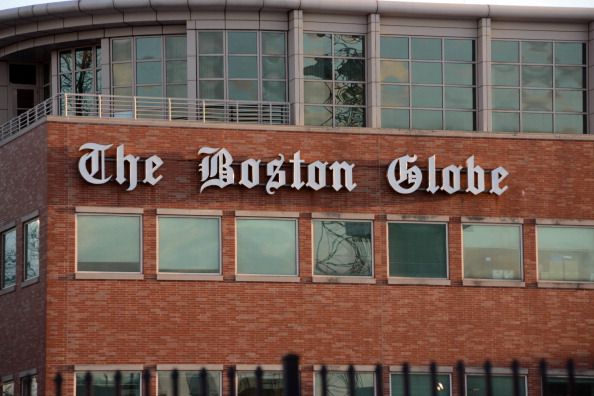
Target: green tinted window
{"type": "Point", "coordinates": [420, 385]}
{"type": "Point", "coordinates": [570, 53]}
{"type": "Point", "coordinates": [568, 123]}
{"type": "Point", "coordinates": [537, 52]}
{"type": "Point", "coordinates": [243, 66]}
{"type": "Point", "coordinates": [243, 90]}
{"type": "Point", "coordinates": [537, 122]}
{"type": "Point", "coordinates": [189, 383]}
{"type": "Point", "coordinates": [505, 51]}
{"type": "Point", "coordinates": [506, 99]}
{"type": "Point", "coordinates": [565, 253]}
{"type": "Point", "coordinates": [583, 386]}
{"type": "Point", "coordinates": [346, 45]}
{"type": "Point", "coordinates": [273, 43]}
{"type": "Point", "coordinates": [210, 42]}
{"type": "Point", "coordinates": [459, 50]}
{"type": "Point", "coordinates": [211, 67]}
{"type": "Point", "coordinates": [417, 250]}
{"type": "Point", "coordinates": [459, 120]}
{"type": "Point", "coordinates": [506, 122]}
{"type": "Point", "coordinates": [104, 383]}
{"type": "Point", "coordinates": [395, 95]}
{"type": "Point", "coordinates": [272, 383]}
{"type": "Point", "coordinates": [242, 42]}
{"type": "Point", "coordinates": [502, 385]}
{"type": "Point", "coordinates": [318, 115]}
{"type": "Point", "coordinates": [121, 50]}
{"type": "Point", "coordinates": [427, 97]}
{"type": "Point", "coordinates": [394, 71]}
{"type": "Point", "coordinates": [274, 91]}
{"type": "Point", "coordinates": [458, 73]}
{"type": "Point", "coordinates": [426, 49]}
{"type": "Point", "coordinates": [426, 73]}
{"type": "Point", "coordinates": [338, 383]}
{"type": "Point", "coordinates": [175, 47]}
{"type": "Point", "coordinates": [508, 75]}
{"type": "Point", "coordinates": [148, 48]}
{"type": "Point", "coordinates": [317, 44]}
{"type": "Point", "coordinates": [459, 98]}
{"type": "Point", "coordinates": [395, 118]}
{"type": "Point", "coordinates": [426, 119]}
{"type": "Point", "coordinates": [394, 47]}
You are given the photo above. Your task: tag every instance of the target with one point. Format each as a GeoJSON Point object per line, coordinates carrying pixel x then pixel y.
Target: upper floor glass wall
{"type": "Point", "coordinates": [80, 70]}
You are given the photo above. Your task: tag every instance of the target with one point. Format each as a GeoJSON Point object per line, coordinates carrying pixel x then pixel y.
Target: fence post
{"type": "Point", "coordinates": [379, 379]}
{"type": "Point", "coordinates": [259, 386]}
{"type": "Point", "coordinates": [88, 384]}
{"type": "Point", "coordinates": [146, 379]}
{"type": "Point", "coordinates": [231, 379]}
{"type": "Point", "coordinates": [571, 378]}
{"type": "Point", "coordinates": [175, 382]}
{"type": "Point", "coordinates": [291, 384]}
{"type": "Point", "coordinates": [516, 377]}
{"type": "Point", "coordinates": [461, 372]}
{"type": "Point", "coordinates": [433, 372]}
{"type": "Point", "coordinates": [406, 379]}
{"type": "Point", "coordinates": [118, 383]}
{"type": "Point", "coordinates": [351, 380]}
{"type": "Point", "coordinates": [203, 382]}
{"type": "Point", "coordinates": [58, 382]}
{"type": "Point", "coordinates": [543, 377]}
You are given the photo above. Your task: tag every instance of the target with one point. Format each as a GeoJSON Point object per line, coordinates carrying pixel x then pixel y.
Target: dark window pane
{"type": "Point", "coordinates": [148, 73]}
{"type": "Point", "coordinates": [395, 95]}
{"type": "Point", "coordinates": [242, 42]}
{"type": "Point", "coordinates": [65, 62]}
{"type": "Point", "coordinates": [560, 386]}
{"type": "Point", "coordinates": [338, 384]}
{"type": "Point", "coordinates": [121, 50]}
{"type": "Point", "coordinates": [537, 52]}
{"type": "Point", "coordinates": [570, 101]}
{"type": "Point", "coordinates": [212, 89]}
{"type": "Point", "coordinates": [395, 118]}
{"type": "Point", "coordinates": [426, 49]}
{"type": "Point", "coordinates": [426, 119]}
{"type": "Point", "coordinates": [273, 67]}
{"type": "Point", "coordinates": [532, 122]}
{"type": "Point", "coordinates": [427, 97]}
{"type": "Point", "coordinates": [317, 44]}
{"type": "Point", "coordinates": [84, 82]}
{"type": "Point", "coordinates": [104, 383]}
{"type": "Point", "coordinates": [272, 383]}
{"type": "Point", "coordinates": [317, 68]}
{"type": "Point", "coordinates": [506, 99]}
{"type": "Point", "coordinates": [566, 123]}
{"type": "Point", "coordinates": [211, 67]}
{"type": "Point", "coordinates": [84, 58]}
{"type": "Point", "coordinates": [350, 116]}
{"type": "Point", "coordinates": [274, 91]}
{"type": "Point", "coordinates": [502, 385]}
{"type": "Point", "coordinates": [349, 69]}
{"type": "Point", "coordinates": [570, 77]}
{"type": "Point", "coordinates": [148, 48]}
{"type": "Point", "coordinates": [66, 83]}
{"type": "Point", "coordinates": [394, 71]}
{"type": "Point", "coordinates": [537, 76]}
{"type": "Point", "coordinates": [506, 75]}
{"type": "Point", "coordinates": [570, 53]}
{"type": "Point", "coordinates": [459, 50]}
{"type": "Point", "coordinates": [22, 74]}
{"type": "Point", "coordinates": [189, 383]}
{"type": "Point", "coordinates": [459, 98]}
{"type": "Point", "coordinates": [505, 51]}
{"type": "Point", "coordinates": [210, 42]}
{"type": "Point", "coordinates": [243, 90]}
{"type": "Point", "coordinates": [273, 43]}
{"type": "Point", "coordinates": [349, 45]}
{"type": "Point", "coordinates": [25, 98]}
{"type": "Point", "coordinates": [318, 92]}
{"type": "Point", "coordinates": [98, 56]}
{"type": "Point", "coordinates": [426, 73]}
{"type": "Point", "coordinates": [420, 385]}
{"type": "Point", "coordinates": [342, 248]}
{"type": "Point", "coordinates": [459, 73]}
{"type": "Point", "coordinates": [318, 115]}
{"type": "Point", "coordinates": [175, 47]}
{"type": "Point", "coordinates": [417, 250]}
{"type": "Point", "coordinates": [243, 66]}
{"type": "Point", "coordinates": [459, 120]}
{"type": "Point", "coordinates": [537, 99]}
{"type": "Point", "coordinates": [349, 94]}
{"type": "Point", "coordinates": [506, 122]}
{"type": "Point", "coordinates": [394, 47]}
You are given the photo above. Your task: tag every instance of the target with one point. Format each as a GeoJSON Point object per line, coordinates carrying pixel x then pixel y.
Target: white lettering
{"type": "Point", "coordinates": [277, 177]}
{"type": "Point", "coordinates": [97, 158]}
{"type": "Point", "coordinates": [216, 168]}
{"type": "Point", "coordinates": [433, 187]}
{"type": "Point", "coordinates": [152, 164]}
{"type": "Point", "coordinates": [451, 179]}
{"type": "Point", "coordinates": [297, 162]}
{"type": "Point", "coordinates": [250, 173]}
{"type": "Point", "coordinates": [497, 176]}
{"type": "Point", "coordinates": [121, 160]}
{"type": "Point", "coordinates": [316, 175]}
{"type": "Point", "coordinates": [412, 176]}
{"type": "Point", "coordinates": [347, 169]}
{"type": "Point", "coordinates": [475, 177]}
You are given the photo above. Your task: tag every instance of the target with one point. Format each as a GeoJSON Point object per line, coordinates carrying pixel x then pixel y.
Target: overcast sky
{"type": "Point", "coordinates": [4, 4]}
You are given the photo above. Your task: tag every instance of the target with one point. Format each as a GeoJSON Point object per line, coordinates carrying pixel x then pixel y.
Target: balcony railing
{"type": "Point", "coordinates": [148, 108]}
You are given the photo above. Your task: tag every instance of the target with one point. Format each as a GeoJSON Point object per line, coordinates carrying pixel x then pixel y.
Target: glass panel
{"type": "Point", "coordinates": [459, 50]}
{"type": "Point", "coordinates": [148, 73]}
{"type": "Point", "coordinates": [65, 62]}
{"type": "Point", "coordinates": [349, 94]}
{"type": "Point", "coordinates": [104, 383]}
{"type": "Point", "coordinates": [98, 83]}
{"type": "Point", "coordinates": [148, 48]}
{"type": "Point", "coordinates": [505, 51]}
{"type": "Point", "coordinates": [317, 44]}
{"type": "Point", "coordinates": [318, 115]}
{"type": "Point", "coordinates": [210, 42]}
{"type": "Point", "coordinates": [492, 251]}
{"type": "Point", "coordinates": [211, 67]}
{"type": "Point", "coordinates": [501, 385]}
{"type": "Point", "coordinates": [395, 118]}
{"type": "Point", "coordinates": [177, 72]}
{"type": "Point", "coordinates": [342, 248]}
{"type": "Point", "coordinates": [349, 70]}
{"type": "Point", "coordinates": [426, 119]}
{"type": "Point", "coordinates": [273, 67]}
{"type": "Point", "coordinates": [417, 250]}
{"type": "Point", "coordinates": [395, 95]}
{"type": "Point", "coordinates": [8, 388]}
{"type": "Point", "coordinates": [570, 53]}
{"type": "Point", "coordinates": [506, 75]}
{"type": "Point", "coordinates": [459, 98]}
{"type": "Point", "coordinates": [126, 91]}
{"type": "Point", "coordinates": [426, 48]}
{"type": "Point", "coordinates": [84, 82]}
{"type": "Point", "coordinates": [84, 58]}
{"type": "Point", "coordinates": [537, 99]}
{"type": "Point", "coordinates": [66, 82]}
{"type": "Point", "coordinates": [537, 52]}
{"type": "Point", "coordinates": [122, 74]}
{"type": "Point", "coordinates": [349, 45]}
{"type": "Point", "coordinates": [121, 50]}
{"type": "Point", "coordinates": [394, 71]}
{"type": "Point", "coordinates": [266, 247]}
{"type": "Point", "coordinates": [243, 66]}
{"type": "Point", "coordinates": [273, 43]}
{"type": "Point", "coordinates": [583, 386]}
{"type": "Point", "coordinates": [175, 47]}
{"type": "Point", "coordinates": [426, 97]}
{"type": "Point", "coordinates": [242, 42]}
{"type": "Point", "coordinates": [98, 56]}
{"type": "Point", "coordinates": [274, 91]}
{"type": "Point", "coordinates": [189, 383]}
{"type": "Point", "coordinates": [338, 384]}
{"type": "Point", "coordinates": [32, 249]}
{"type": "Point", "coordinates": [532, 122]}
{"type": "Point", "coordinates": [537, 76]}
{"type": "Point", "coordinates": [318, 92]}
{"type": "Point", "coordinates": [317, 68]}
{"type": "Point", "coordinates": [566, 253]}
{"type": "Point", "coordinates": [570, 77]}
{"type": "Point", "coordinates": [565, 123]}
{"type": "Point", "coordinates": [570, 101]}
{"type": "Point", "coordinates": [272, 383]}
{"type": "Point", "coordinates": [394, 47]}
{"type": "Point", "coordinates": [212, 89]}
{"type": "Point", "coordinates": [506, 122]}
{"type": "Point", "coordinates": [459, 120]}
{"type": "Point", "coordinates": [506, 99]}
{"type": "Point", "coordinates": [350, 116]}
{"type": "Point", "coordinates": [8, 258]}
{"type": "Point", "coordinates": [420, 385]}
{"type": "Point", "coordinates": [459, 73]}
{"type": "Point", "coordinates": [108, 243]}
{"type": "Point", "coordinates": [177, 91]}
{"type": "Point", "coordinates": [243, 90]}
{"type": "Point", "coordinates": [189, 245]}
{"type": "Point", "coordinates": [426, 73]}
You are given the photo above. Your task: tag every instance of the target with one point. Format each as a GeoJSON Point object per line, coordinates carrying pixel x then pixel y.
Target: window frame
{"type": "Point", "coordinates": [26, 248]}
{"type": "Point", "coordinates": [266, 368]}
{"type": "Point", "coordinates": [333, 369]}
{"type": "Point", "coordinates": [168, 368]}
{"type": "Point", "coordinates": [96, 68]}
{"type": "Point", "coordinates": [422, 370]}
{"type": "Point", "coordinates": [110, 370]}
{"type": "Point", "coordinates": [504, 372]}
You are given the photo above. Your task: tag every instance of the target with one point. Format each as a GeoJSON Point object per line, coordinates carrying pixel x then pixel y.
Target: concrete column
{"type": "Point", "coordinates": [295, 59]}
{"type": "Point", "coordinates": [373, 72]}
{"type": "Point", "coordinates": [105, 67]}
{"type": "Point", "coordinates": [55, 81]}
{"type": "Point", "coordinates": [590, 109]}
{"type": "Point", "coordinates": [483, 74]}
{"type": "Point", "coordinates": [192, 60]}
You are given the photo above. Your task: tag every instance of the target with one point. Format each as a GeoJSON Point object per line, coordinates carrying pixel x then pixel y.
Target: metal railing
{"type": "Point", "coordinates": [149, 108]}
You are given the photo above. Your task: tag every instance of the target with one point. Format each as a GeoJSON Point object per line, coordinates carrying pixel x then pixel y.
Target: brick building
{"type": "Point", "coordinates": [188, 184]}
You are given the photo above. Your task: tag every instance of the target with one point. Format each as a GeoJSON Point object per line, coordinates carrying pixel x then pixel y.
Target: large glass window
{"type": "Point", "coordinates": [103, 383]}
{"type": "Point", "coordinates": [80, 70]}
{"type": "Point", "coordinates": [566, 253]}
{"type": "Point", "coordinates": [539, 86]}
{"type": "Point", "coordinates": [272, 383]}
{"type": "Point", "coordinates": [420, 384]}
{"type": "Point", "coordinates": [428, 83]}
{"type": "Point", "coordinates": [266, 247]}
{"type": "Point", "coordinates": [108, 243]}
{"type": "Point", "coordinates": [492, 251]}
{"type": "Point", "coordinates": [242, 66]}
{"type": "Point", "coordinates": [8, 388]}
{"type": "Point", "coordinates": [338, 383]}
{"type": "Point", "coordinates": [334, 71]}
{"type": "Point", "coordinates": [31, 240]}
{"type": "Point", "coordinates": [8, 264]}
{"type": "Point", "coordinates": [189, 244]}
{"type": "Point", "coordinates": [559, 386]}
{"type": "Point", "coordinates": [502, 385]}
{"type": "Point", "coordinates": [418, 250]}
{"type": "Point", "coordinates": [29, 385]}
{"type": "Point", "coordinates": [343, 248]}
{"type": "Point", "coordinates": [189, 383]}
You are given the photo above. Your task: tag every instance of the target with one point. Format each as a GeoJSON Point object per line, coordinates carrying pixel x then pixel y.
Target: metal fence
{"type": "Point", "coordinates": [292, 384]}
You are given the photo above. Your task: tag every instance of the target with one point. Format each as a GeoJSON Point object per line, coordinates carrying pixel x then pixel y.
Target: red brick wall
{"type": "Point", "coordinates": [155, 322]}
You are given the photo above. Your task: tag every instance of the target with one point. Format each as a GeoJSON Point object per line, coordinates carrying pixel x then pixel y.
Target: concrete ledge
{"type": "Point", "coordinates": [264, 367]}
{"type": "Point", "coordinates": [565, 285]}
{"type": "Point", "coordinates": [492, 220]}
{"type": "Point", "coordinates": [108, 367]}
{"type": "Point", "coordinates": [108, 210]}
{"type": "Point", "coordinates": [265, 214]}
{"type": "Point", "coordinates": [26, 373]}
{"type": "Point", "coordinates": [493, 283]}
{"type": "Point", "coordinates": [188, 277]}
{"type": "Point", "coordinates": [344, 279]}
{"type": "Point", "coordinates": [494, 371]}
{"type": "Point", "coordinates": [7, 226]}
{"type": "Point", "coordinates": [563, 222]}
{"type": "Point", "coordinates": [30, 282]}
{"type": "Point", "coordinates": [108, 275]}
{"type": "Point", "coordinates": [422, 369]}
{"type": "Point", "coordinates": [342, 216]}
{"type": "Point", "coordinates": [345, 367]}
{"type": "Point", "coordinates": [268, 278]}
{"type": "Point", "coordinates": [189, 367]}
{"type": "Point", "coordinates": [417, 218]}
{"type": "Point", "coordinates": [190, 212]}
{"type": "Point", "coordinates": [419, 281]}
{"type": "Point", "coordinates": [7, 290]}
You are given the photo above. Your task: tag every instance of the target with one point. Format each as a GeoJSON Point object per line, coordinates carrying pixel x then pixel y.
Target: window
{"type": "Point", "coordinates": [338, 383]}
{"type": "Point", "coordinates": [343, 248]}
{"type": "Point", "coordinates": [189, 383]}
{"type": "Point", "coordinates": [565, 253]}
{"type": "Point", "coordinates": [418, 250]}
{"type": "Point", "coordinates": [334, 72]}
{"type": "Point", "coordinates": [492, 251]}
{"type": "Point", "coordinates": [539, 86]}
{"type": "Point", "coordinates": [8, 258]}
{"type": "Point", "coordinates": [428, 83]}
{"type": "Point", "coordinates": [31, 249]}
{"type": "Point", "coordinates": [103, 383]}
{"type": "Point", "coordinates": [29, 385]}
{"type": "Point", "coordinates": [80, 70]}
{"type": "Point", "coordinates": [502, 385]}
{"type": "Point", "coordinates": [189, 245]}
{"type": "Point", "coordinates": [8, 388]}
{"type": "Point", "coordinates": [420, 384]}
{"type": "Point", "coordinates": [559, 386]}
{"type": "Point", "coordinates": [149, 66]}
{"type": "Point", "coordinates": [272, 383]}
{"type": "Point", "coordinates": [267, 246]}
{"type": "Point", "coordinates": [108, 243]}
{"type": "Point", "coordinates": [242, 66]}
